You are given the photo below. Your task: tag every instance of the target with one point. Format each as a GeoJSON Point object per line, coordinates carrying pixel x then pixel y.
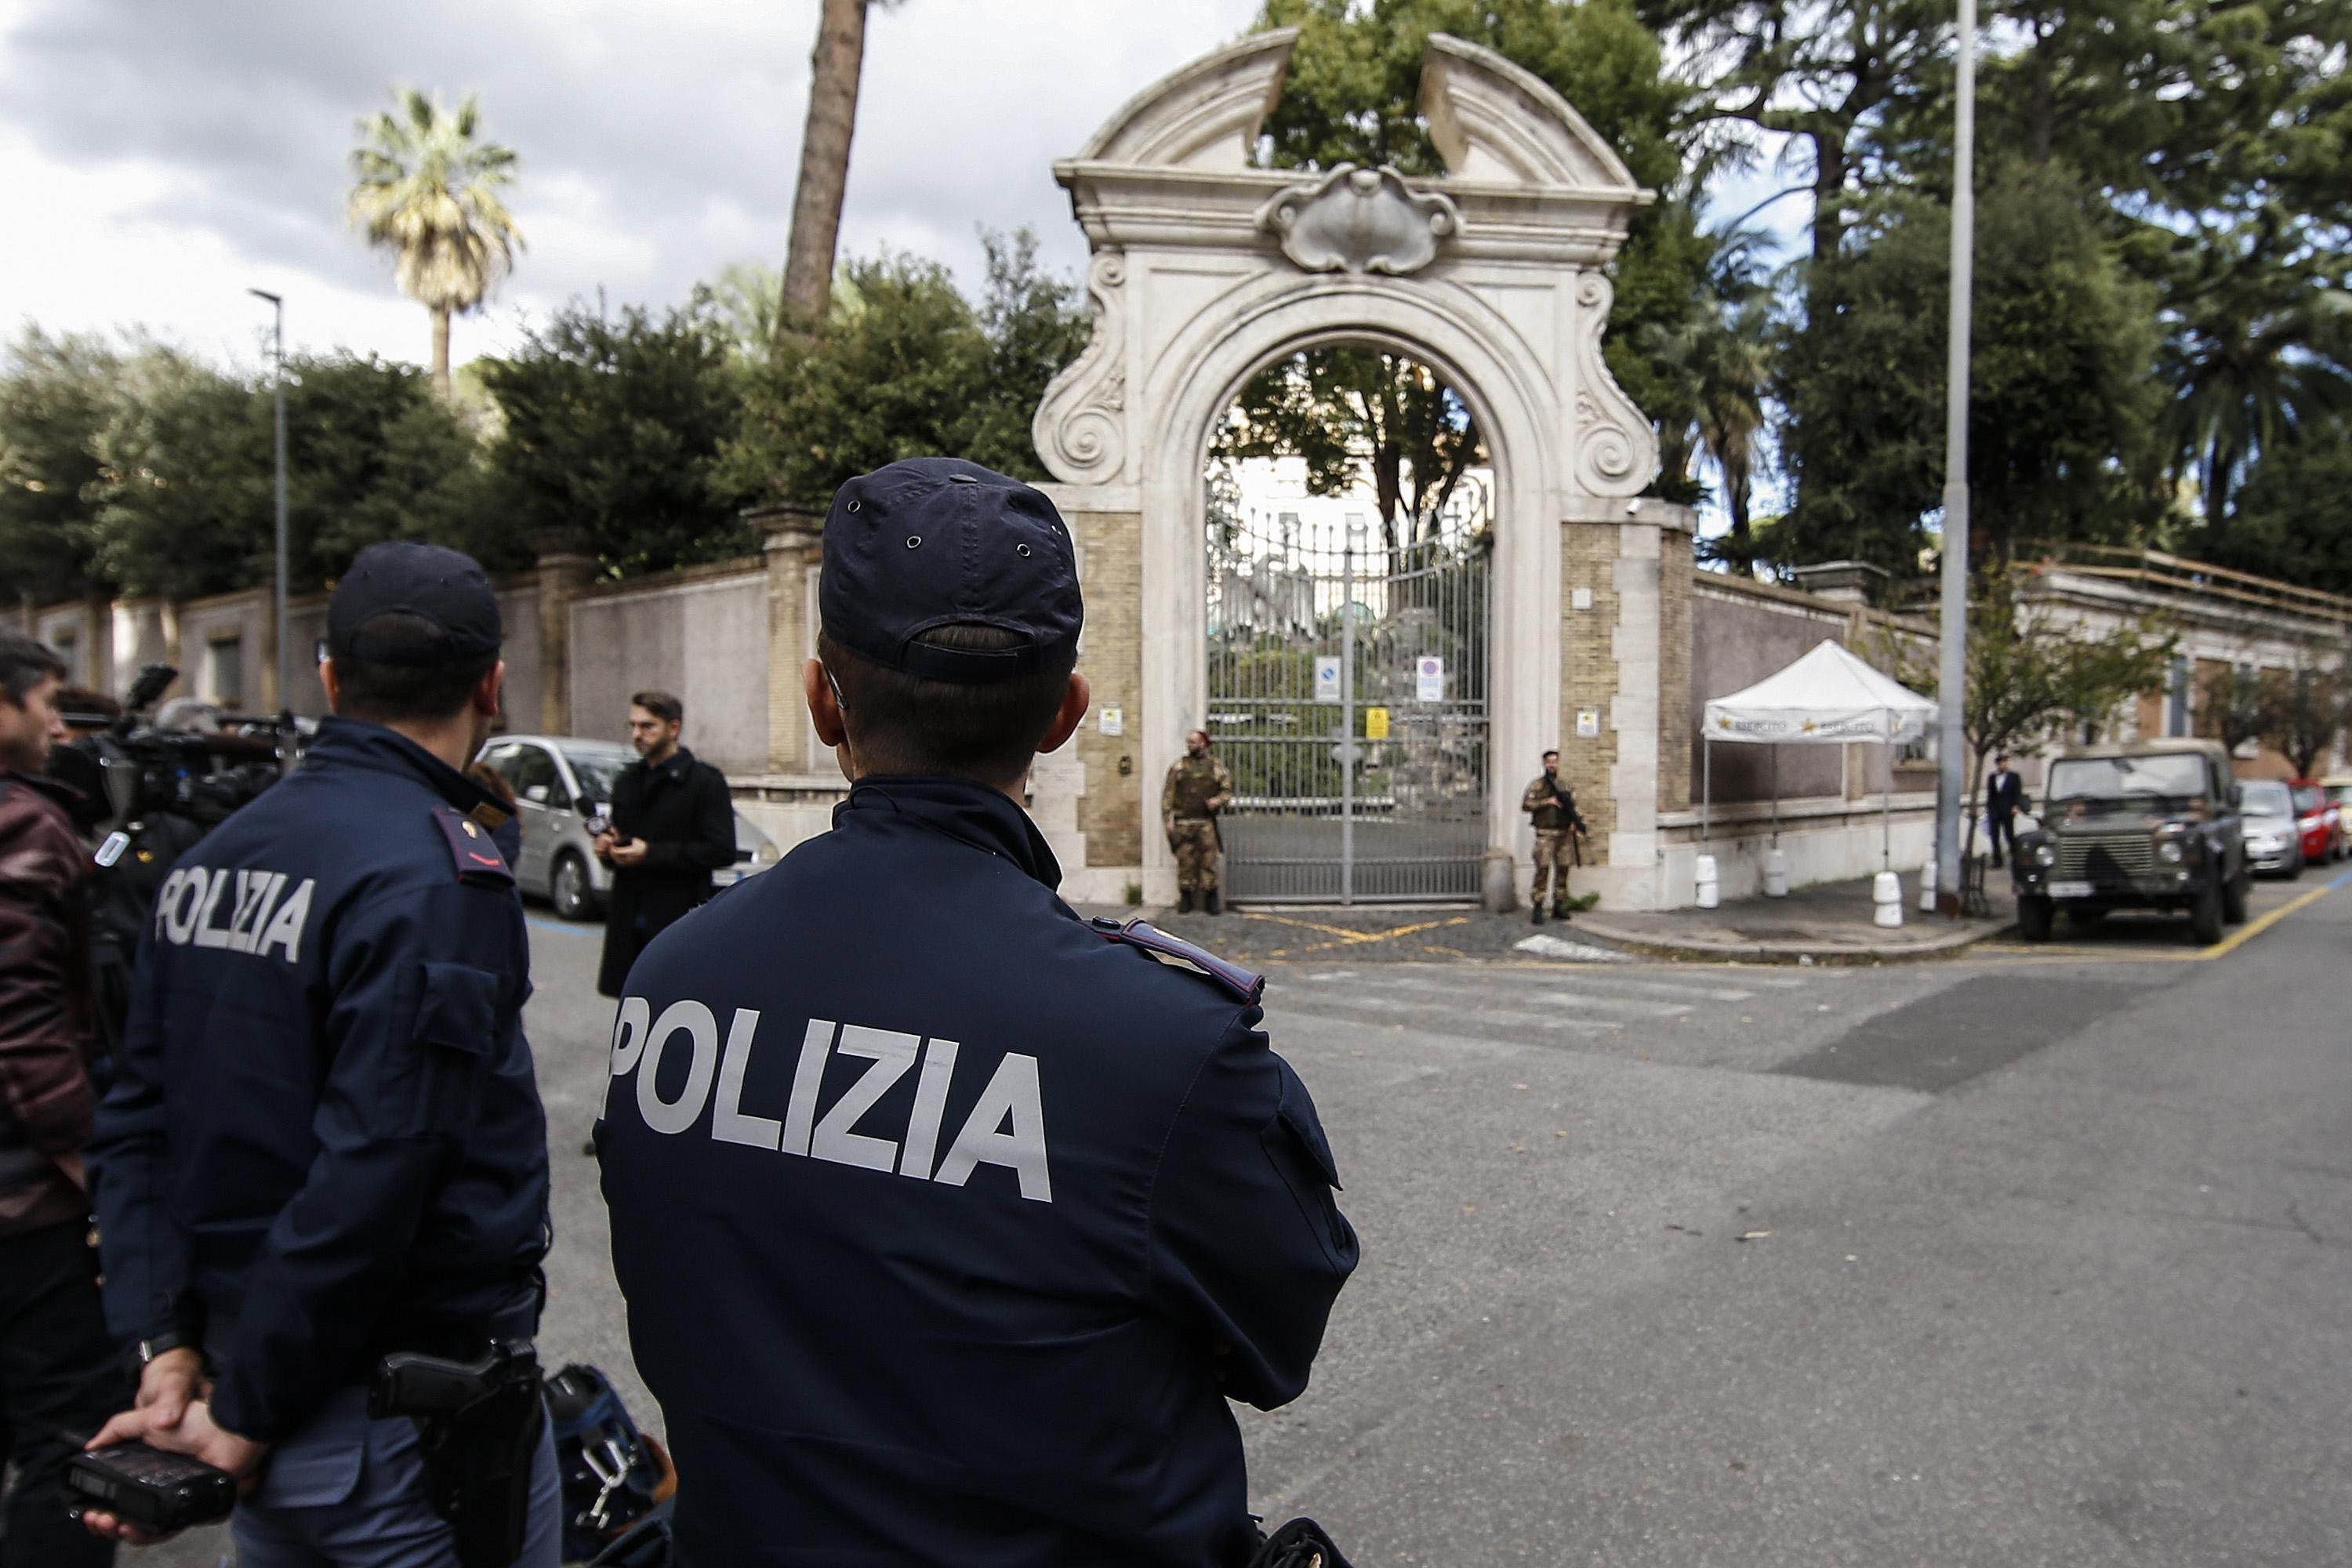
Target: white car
{"type": "Point", "coordinates": [560, 782]}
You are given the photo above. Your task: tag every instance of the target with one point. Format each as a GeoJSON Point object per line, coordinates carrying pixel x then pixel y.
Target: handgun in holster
{"type": "Point", "coordinates": [478, 1425]}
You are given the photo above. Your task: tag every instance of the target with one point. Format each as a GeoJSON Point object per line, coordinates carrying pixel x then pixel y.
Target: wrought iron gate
{"type": "Point", "coordinates": [1347, 695]}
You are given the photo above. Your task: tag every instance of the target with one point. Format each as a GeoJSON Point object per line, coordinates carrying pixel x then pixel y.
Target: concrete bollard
{"type": "Point", "coordinates": [1776, 874]}
{"type": "Point", "coordinates": [1927, 887]}
{"type": "Point", "coordinates": [1710, 890]}
{"type": "Point", "coordinates": [1886, 892]}
{"type": "Point", "coordinates": [1499, 886]}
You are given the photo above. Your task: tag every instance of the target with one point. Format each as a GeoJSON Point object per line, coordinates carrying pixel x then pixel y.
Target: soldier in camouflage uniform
{"type": "Point", "coordinates": [1197, 789]}
{"type": "Point", "coordinates": [1553, 806]}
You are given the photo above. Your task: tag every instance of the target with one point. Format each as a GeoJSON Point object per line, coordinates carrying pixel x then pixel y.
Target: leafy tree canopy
{"type": "Point", "coordinates": [56, 395]}
{"type": "Point", "coordinates": [2062, 403]}
{"type": "Point", "coordinates": [907, 368]}
{"type": "Point", "coordinates": [612, 432]}
{"type": "Point", "coordinates": [137, 468]}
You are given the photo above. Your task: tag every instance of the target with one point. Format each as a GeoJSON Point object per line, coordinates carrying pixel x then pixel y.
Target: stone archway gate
{"type": "Point", "coordinates": [1204, 271]}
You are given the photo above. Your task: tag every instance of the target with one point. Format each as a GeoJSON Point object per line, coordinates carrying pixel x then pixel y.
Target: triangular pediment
{"type": "Point", "coordinates": [1498, 123]}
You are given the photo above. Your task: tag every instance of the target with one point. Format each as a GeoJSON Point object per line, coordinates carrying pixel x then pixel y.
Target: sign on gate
{"type": "Point", "coordinates": [1327, 679]}
{"type": "Point", "coordinates": [1376, 723]}
{"type": "Point", "coordinates": [1429, 679]}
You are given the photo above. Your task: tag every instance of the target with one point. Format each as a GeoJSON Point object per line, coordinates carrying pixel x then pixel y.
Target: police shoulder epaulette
{"type": "Point", "coordinates": [476, 858]}
{"type": "Point", "coordinates": [1243, 984]}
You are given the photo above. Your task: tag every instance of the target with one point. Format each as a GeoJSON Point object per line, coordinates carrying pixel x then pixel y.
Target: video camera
{"type": "Point", "coordinates": [153, 792]}
{"type": "Point", "coordinates": [146, 770]}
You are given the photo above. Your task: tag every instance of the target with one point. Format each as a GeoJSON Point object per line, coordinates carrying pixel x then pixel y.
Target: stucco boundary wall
{"type": "Point", "coordinates": [729, 639]}
{"type": "Point", "coordinates": [224, 648]}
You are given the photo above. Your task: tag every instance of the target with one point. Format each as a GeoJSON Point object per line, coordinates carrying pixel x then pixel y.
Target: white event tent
{"type": "Point", "coordinates": [1828, 697]}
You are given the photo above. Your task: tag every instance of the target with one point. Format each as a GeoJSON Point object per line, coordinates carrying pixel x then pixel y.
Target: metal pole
{"type": "Point", "coordinates": [1705, 785]}
{"type": "Point", "coordinates": [1953, 663]}
{"type": "Point", "coordinates": [1347, 715]}
{"type": "Point", "coordinates": [277, 398]}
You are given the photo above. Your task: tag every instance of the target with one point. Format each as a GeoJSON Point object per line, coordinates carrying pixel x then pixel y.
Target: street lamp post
{"type": "Point", "coordinates": [278, 397]}
{"type": "Point", "coordinates": [1953, 664]}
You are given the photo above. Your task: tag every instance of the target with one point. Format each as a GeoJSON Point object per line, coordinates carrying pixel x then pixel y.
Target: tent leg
{"type": "Point", "coordinates": [1886, 815]}
{"type": "Point", "coordinates": [1707, 784]}
{"type": "Point", "coordinates": [1775, 794]}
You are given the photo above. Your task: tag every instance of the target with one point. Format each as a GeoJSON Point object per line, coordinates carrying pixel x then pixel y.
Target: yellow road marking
{"type": "Point", "coordinates": [1349, 937]}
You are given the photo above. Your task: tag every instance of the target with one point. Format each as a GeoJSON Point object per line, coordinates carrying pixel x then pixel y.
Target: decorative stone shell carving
{"type": "Point", "coordinates": [1080, 429]}
{"type": "Point", "coordinates": [1360, 220]}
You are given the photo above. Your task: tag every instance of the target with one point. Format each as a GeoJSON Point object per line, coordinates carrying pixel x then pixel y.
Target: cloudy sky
{"type": "Point", "coordinates": [163, 156]}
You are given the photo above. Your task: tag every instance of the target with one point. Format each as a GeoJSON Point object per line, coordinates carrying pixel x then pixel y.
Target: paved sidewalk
{"type": "Point", "coordinates": [1359, 933]}
{"type": "Point", "coordinates": [1830, 922]}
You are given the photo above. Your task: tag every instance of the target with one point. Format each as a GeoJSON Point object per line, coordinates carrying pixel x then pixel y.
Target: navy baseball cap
{"type": "Point", "coordinates": [441, 588]}
{"type": "Point", "coordinates": [933, 541]}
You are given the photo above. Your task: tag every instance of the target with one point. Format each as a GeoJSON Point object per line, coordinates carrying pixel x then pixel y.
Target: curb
{"type": "Point", "coordinates": [1652, 945]}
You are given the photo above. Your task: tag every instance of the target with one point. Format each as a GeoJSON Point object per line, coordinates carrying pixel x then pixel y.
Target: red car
{"type": "Point", "coordinates": [2315, 820]}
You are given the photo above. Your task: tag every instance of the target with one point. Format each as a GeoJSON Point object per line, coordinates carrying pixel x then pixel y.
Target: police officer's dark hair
{"type": "Point", "coordinates": [907, 725]}
{"type": "Point", "coordinates": [661, 705]}
{"type": "Point", "coordinates": [385, 693]}
{"type": "Point", "coordinates": [25, 664]}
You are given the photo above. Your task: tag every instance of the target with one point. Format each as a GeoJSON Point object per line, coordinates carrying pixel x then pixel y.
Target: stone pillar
{"type": "Point", "coordinates": [563, 570]}
{"type": "Point", "coordinates": [1624, 644]}
{"type": "Point", "coordinates": [792, 539]}
{"type": "Point", "coordinates": [1856, 582]}
{"type": "Point", "coordinates": [1088, 799]}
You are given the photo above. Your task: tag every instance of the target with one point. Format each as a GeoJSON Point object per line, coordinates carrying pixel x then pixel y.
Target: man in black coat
{"type": "Point", "coordinates": [2004, 796]}
{"type": "Point", "coordinates": [672, 823]}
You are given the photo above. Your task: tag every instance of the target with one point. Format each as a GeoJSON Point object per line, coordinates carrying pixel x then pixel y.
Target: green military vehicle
{"type": "Point", "coordinates": [2144, 824]}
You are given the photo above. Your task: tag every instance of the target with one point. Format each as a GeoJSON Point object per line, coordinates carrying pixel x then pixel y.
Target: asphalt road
{"type": "Point", "coordinates": [2042, 1257]}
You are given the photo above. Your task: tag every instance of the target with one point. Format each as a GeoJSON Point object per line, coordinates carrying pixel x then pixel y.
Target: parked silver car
{"type": "Point", "coordinates": [560, 782]}
{"type": "Point", "coordinates": [2274, 841]}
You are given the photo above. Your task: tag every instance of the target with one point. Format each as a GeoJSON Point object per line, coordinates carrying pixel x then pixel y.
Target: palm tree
{"type": "Point", "coordinates": [835, 67]}
{"type": "Point", "coordinates": [430, 194]}
{"type": "Point", "coordinates": [2255, 357]}
{"type": "Point", "coordinates": [1723, 357]}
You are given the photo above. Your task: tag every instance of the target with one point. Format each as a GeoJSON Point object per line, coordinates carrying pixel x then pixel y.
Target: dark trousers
{"type": "Point", "coordinates": [60, 1378]}
{"type": "Point", "coordinates": [2000, 829]}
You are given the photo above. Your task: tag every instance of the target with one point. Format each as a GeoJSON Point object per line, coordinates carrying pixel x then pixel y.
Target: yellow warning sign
{"type": "Point", "coordinates": [1376, 723]}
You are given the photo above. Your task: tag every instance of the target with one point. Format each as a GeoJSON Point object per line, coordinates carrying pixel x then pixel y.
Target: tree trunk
{"type": "Point", "coordinates": [2218, 469]}
{"type": "Point", "coordinates": [441, 352]}
{"type": "Point", "coordinates": [1828, 193]}
{"type": "Point", "coordinates": [835, 67]}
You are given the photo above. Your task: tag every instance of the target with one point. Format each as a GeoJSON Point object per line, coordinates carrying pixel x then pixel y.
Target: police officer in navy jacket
{"type": "Point", "coordinates": [324, 1142]}
{"type": "Point", "coordinates": [949, 1221]}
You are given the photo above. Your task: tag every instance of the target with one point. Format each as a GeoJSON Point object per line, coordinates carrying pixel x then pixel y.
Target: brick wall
{"type": "Point", "coordinates": [1587, 675]}
{"type": "Point", "coordinates": [1677, 714]}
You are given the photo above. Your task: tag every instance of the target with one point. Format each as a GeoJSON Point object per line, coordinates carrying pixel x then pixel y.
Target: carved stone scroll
{"type": "Point", "coordinates": [1360, 220]}
{"type": "Point", "coordinates": [1080, 430]}
{"type": "Point", "coordinates": [1616, 449]}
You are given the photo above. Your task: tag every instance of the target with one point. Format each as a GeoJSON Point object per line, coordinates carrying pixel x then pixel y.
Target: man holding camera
{"type": "Point", "coordinates": [325, 1146]}
{"type": "Point", "coordinates": [59, 1375]}
{"type": "Point", "coordinates": [986, 1211]}
{"type": "Point", "coordinates": [672, 823]}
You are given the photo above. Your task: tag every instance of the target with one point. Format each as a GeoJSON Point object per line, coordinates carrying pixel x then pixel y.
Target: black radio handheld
{"type": "Point", "coordinates": [157, 1491]}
